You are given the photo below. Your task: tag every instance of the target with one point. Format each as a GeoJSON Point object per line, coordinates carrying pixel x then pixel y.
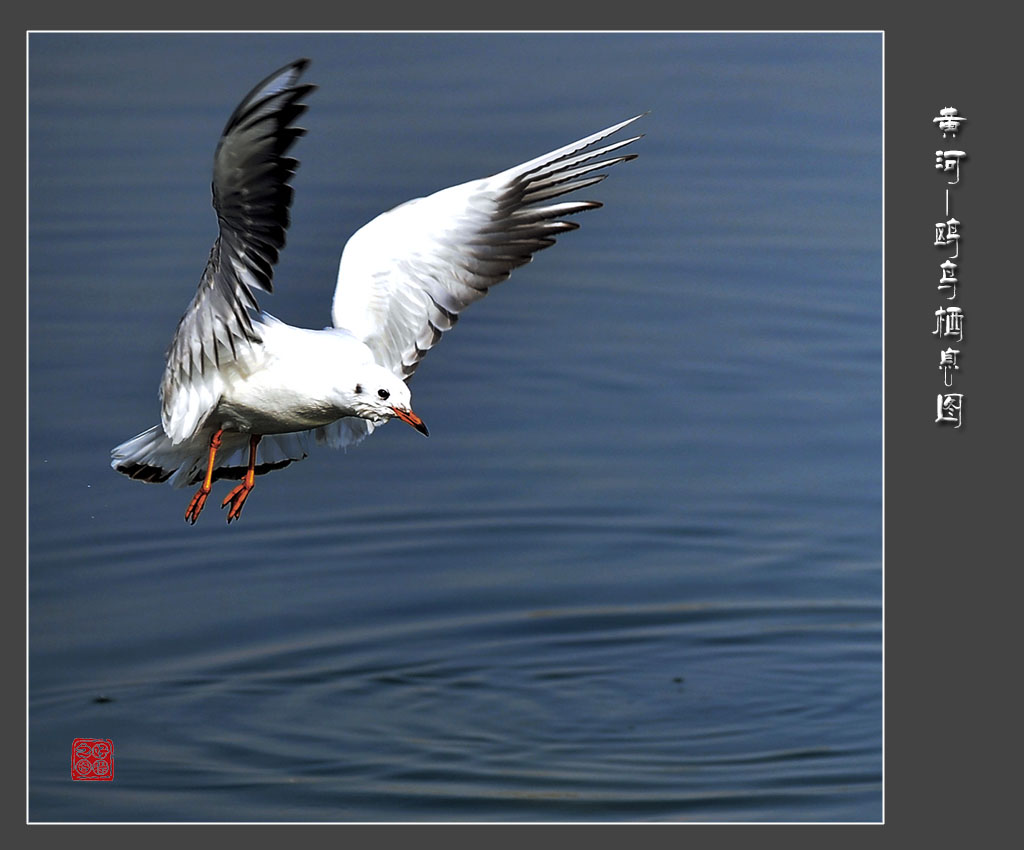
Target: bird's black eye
{"type": "Point", "coordinates": [383, 393]}
{"type": "Point", "coordinates": [359, 388]}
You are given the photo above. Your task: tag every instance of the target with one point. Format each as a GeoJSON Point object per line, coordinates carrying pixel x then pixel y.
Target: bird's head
{"type": "Point", "coordinates": [378, 395]}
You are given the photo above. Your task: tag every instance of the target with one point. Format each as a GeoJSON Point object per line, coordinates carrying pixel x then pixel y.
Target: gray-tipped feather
{"type": "Point", "coordinates": [251, 197]}
{"type": "Point", "coordinates": [405, 277]}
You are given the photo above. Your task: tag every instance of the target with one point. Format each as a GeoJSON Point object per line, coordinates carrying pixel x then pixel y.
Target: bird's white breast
{"type": "Point", "coordinates": [292, 383]}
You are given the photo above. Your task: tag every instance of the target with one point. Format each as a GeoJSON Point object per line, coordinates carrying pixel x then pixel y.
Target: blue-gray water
{"type": "Point", "coordinates": [635, 571]}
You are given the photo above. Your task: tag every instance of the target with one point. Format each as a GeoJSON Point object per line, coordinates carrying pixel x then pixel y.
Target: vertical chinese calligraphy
{"type": "Point", "coordinates": [949, 320]}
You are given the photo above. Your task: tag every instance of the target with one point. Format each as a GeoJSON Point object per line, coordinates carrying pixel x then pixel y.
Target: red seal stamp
{"type": "Point", "coordinates": [92, 758]}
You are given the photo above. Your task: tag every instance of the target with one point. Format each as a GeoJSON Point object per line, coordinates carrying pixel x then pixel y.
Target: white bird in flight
{"type": "Point", "coordinates": [238, 379]}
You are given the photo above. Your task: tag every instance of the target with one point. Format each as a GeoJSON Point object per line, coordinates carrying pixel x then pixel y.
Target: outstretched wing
{"type": "Point", "coordinates": [251, 197]}
{"type": "Point", "coordinates": [405, 277]}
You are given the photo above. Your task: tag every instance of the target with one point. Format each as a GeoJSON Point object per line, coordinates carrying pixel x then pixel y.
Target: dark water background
{"type": "Point", "coordinates": [635, 572]}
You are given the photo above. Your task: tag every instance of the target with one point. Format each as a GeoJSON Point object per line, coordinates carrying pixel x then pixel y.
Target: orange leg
{"type": "Point", "coordinates": [236, 498]}
{"type": "Point", "coordinates": [195, 507]}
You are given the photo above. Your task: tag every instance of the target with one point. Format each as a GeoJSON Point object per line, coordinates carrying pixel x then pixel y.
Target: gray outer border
{"type": "Point", "coordinates": [948, 498]}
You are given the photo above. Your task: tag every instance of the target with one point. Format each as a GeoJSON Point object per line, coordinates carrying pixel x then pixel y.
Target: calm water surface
{"type": "Point", "coordinates": [635, 572]}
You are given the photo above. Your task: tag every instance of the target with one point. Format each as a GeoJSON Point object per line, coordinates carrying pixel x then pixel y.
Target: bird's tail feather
{"type": "Point", "coordinates": [153, 458]}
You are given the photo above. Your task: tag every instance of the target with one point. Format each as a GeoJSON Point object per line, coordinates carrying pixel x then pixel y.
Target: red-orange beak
{"type": "Point", "coordinates": [412, 419]}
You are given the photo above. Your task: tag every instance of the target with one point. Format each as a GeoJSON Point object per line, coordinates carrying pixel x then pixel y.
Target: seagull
{"type": "Point", "coordinates": [244, 393]}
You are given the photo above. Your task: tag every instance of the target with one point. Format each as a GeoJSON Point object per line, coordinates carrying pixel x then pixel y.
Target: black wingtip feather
{"type": "Point", "coordinates": [142, 472]}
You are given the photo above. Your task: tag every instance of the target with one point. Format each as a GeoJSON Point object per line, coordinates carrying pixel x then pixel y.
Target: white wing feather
{"type": "Point", "coordinates": [405, 277]}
